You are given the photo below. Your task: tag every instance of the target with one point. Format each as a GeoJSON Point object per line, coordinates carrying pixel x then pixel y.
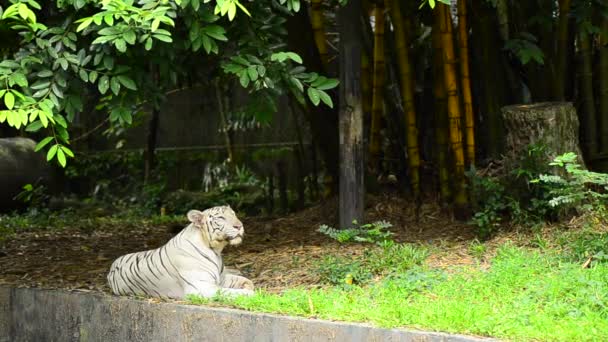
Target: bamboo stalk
{"type": "Point", "coordinates": [407, 93]}
{"type": "Point", "coordinates": [454, 113]}
{"type": "Point", "coordinates": [316, 21]}
{"type": "Point", "coordinates": [465, 78]}
{"type": "Point", "coordinates": [378, 85]}
{"type": "Point", "coordinates": [440, 110]}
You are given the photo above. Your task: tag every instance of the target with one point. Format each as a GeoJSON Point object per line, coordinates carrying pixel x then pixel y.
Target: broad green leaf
{"type": "Point", "coordinates": [67, 151]}
{"type": "Point", "coordinates": [127, 82]}
{"type": "Point", "coordinates": [115, 85]}
{"type": "Point", "coordinates": [84, 24]}
{"type": "Point", "coordinates": [314, 96]}
{"type": "Point", "coordinates": [328, 84]}
{"type": "Point", "coordinates": [155, 24]}
{"type": "Point", "coordinates": [325, 98]}
{"type": "Point", "coordinates": [252, 72]}
{"type": "Point", "coordinates": [34, 127]}
{"type": "Point", "coordinates": [163, 38]}
{"type": "Point", "coordinates": [9, 100]}
{"type": "Point", "coordinates": [45, 73]}
{"type": "Point", "coordinates": [42, 143]}
{"type": "Point", "coordinates": [61, 157]}
{"type": "Point", "coordinates": [121, 45]}
{"type": "Point", "coordinates": [148, 45]}
{"type": "Point", "coordinates": [244, 79]}
{"type": "Point", "coordinates": [51, 153]}
{"type": "Point", "coordinates": [104, 84]}
{"type": "Point", "coordinates": [92, 76]}
{"type": "Point", "coordinates": [83, 75]}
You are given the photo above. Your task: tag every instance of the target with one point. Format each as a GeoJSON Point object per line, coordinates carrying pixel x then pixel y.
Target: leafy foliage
{"type": "Point", "coordinates": [389, 259]}
{"type": "Point", "coordinates": [375, 232]}
{"type": "Point", "coordinates": [579, 189]}
{"type": "Point", "coordinates": [93, 57]}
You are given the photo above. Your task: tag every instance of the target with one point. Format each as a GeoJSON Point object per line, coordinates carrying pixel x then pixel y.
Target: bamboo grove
{"type": "Point", "coordinates": [433, 81]}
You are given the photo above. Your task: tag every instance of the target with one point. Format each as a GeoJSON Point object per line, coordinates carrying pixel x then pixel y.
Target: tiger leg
{"type": "Point", "coordinates": [196, 284]}
{"type": "Point", "coordinates": [234, 281]}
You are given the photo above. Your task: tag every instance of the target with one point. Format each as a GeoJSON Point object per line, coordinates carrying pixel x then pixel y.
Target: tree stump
{"type": "Point", "coordinates": [552, 125]}
{"type": "Point", "coordinates": [19, 165]}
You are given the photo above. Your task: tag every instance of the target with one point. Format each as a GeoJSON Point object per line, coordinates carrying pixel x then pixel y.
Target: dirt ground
{"type": "Point", "coordinates": [277, 253]}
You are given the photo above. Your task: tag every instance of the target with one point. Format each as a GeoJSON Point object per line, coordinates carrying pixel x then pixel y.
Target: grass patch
{"type": "Point", "coordinates": [525, 295]}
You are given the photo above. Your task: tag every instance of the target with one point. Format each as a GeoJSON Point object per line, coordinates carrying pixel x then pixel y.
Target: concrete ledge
{"type": "Point", "coordinates": [53, 315]}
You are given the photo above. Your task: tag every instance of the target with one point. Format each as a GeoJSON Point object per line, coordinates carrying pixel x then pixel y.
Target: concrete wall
{"type": "Point", "coordinates": [50, 315]}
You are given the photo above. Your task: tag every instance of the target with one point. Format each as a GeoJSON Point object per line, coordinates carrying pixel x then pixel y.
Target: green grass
{"type": "Point", "coordinates": [526, 294]}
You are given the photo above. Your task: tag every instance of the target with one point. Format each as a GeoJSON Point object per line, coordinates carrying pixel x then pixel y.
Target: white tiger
{"type": "Point", "coordinates": [189, 263]}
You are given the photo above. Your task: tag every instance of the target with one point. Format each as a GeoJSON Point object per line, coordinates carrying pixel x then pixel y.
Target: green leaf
{"type": "Point", "coordinates": [328, 84]}
{"type": "Point", "coordinates": [325, 98]}
{"type": "Point", "coordinates": [34, 126]}
{"type": "Point", "coordinates": [244, 79]}
{"type": "Point", "coordinates": [155, 24]}
{"type": "Point", "coordinates": [104, 84]}
{"type": "Point", "coordinates": [9, 100]}
{"type": "Point", "coordinates": [92, 76]}
{"type": "Point", "coordinates": [163, 38]}
{"type": "Point", "coordinates": [51, 153]}
{"type": "Point", "coordinates": [130, 37]}
{"type": "Point", "coordinates": [127, 82]}
{"type": "Point", "coordinates": [121, 45]}
{"type": "Point", "coordinates": [61, 157]}
{"type": "Point", "coordinates": [314, 96]}
{"type": "Point", "coordinates": [83, 75]}
{"type": "Point", "coordinates": [67, 151]}
{"type": "Point", "coordinates": [148, 45]}
{"type": "Point", "coordinates": [84, 24]}
{"type": "Point", "coordinates": [252, 72]}
{"type": "Point", "coordinates": [42, 143]}
{"type": "Point", "coordinates": [231, 11]}
{"type": "Point", "coordinates": [45, 73]}
{"type": "Point", "coordinates": [115, 85]}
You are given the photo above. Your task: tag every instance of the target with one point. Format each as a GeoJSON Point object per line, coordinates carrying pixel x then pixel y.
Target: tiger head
{"type": "Point", "coordinates": [220, 225]}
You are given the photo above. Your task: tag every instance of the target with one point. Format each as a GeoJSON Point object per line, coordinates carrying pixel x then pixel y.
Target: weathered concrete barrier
{"type": "Point", "coordinates": [51, 315]}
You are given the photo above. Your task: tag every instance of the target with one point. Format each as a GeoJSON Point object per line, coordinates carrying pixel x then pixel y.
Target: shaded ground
{"type": "Point", "coordinates": [277, 253]}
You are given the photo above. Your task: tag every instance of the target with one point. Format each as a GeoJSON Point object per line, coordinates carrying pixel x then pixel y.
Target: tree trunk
{"type": "Point", "coordinates": [223, 122]}
{"type": "Point", "coordinates": [603, 86]}
{"type": "Point", "coordinates": [562, 49]}
{"type": "Point", "coordinates": [553, 125]}
{"type": "Point", "coordinates": [465, 77]}
{"type": "Point", "coordinates": [407, 94]}
{"type": "Point", "coordinates": [454, 113]}
{"type": "Point", "coordinates": [316, 20]}
{"type": "Point", "coordinates": [351, 115]}
{"type": "Point", "coordinates": [323, 120]}
{"type": "Point", "coordinates": [378, 87]}
{"type": "Point", "coordinates": [587, 105]}
{"type": "Point", "coordinates": [152, 134]}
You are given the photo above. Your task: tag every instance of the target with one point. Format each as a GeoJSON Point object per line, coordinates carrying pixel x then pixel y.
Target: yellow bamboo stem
{"type": "Point", "coordinates": [465, 78]}
{"type": "Point", "coordinates": [378, 85]}
{"type": "Point", "coordinates": [316, 21]}
{"type": "Point", "coordinates": [454, 113]}
{"type": "Point", "coordinates": [407, 93]}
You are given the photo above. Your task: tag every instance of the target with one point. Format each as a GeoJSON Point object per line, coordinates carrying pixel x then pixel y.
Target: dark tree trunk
{"type": "Point", "coordinates": [351, 115]}
{"type": "Point", "coordinates": [282, 172]}
{"type": "Point", "coordinates": [150, 154]}
{"type": "Point", "coordinates": [323, 120]}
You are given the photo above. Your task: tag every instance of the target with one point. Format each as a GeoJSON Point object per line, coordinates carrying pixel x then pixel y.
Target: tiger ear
{"type": "Point", "coordinates": [196, 216]}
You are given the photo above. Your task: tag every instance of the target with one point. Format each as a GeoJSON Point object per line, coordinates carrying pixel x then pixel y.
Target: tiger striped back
{"type": "Point", "coordinates": [189, 263]}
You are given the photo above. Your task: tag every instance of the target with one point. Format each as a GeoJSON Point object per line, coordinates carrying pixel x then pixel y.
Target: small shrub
{"type": "Point", "coordinates": [389, 259]}
{"type": "Point", "coordinates": [375, 232]}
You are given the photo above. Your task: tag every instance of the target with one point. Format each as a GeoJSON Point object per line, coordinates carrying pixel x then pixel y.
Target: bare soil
{"type": "Point", "coordinates": [277, 253]}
